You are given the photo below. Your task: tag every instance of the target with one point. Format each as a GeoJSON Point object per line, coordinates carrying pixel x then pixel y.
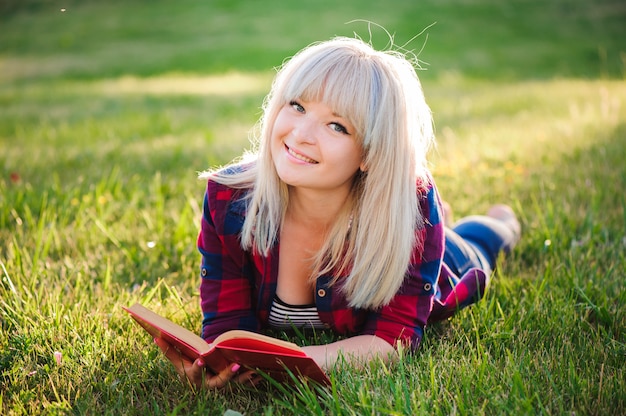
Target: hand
{"type": "Point", "coordinates": [196, 374]}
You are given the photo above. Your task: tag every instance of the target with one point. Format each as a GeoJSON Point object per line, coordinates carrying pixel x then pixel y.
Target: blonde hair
{"type": "Point", "coordinates": [372, 240]}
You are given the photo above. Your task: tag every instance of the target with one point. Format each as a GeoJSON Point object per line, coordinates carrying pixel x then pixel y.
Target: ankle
{"type": "Point", "coordinates": [506, 214]}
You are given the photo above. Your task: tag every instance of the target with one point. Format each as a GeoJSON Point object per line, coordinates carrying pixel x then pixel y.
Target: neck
{"type": "Point", "coordinates": [313, 208]}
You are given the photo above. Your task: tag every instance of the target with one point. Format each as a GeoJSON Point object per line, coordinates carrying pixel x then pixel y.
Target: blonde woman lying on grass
{"type": "Point", "coordinates": [335, 222]}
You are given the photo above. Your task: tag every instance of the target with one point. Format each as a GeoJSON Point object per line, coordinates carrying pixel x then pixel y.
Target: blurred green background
{"type": "Point", "coordinates": [197, 70]}
{"type": "Point", "coordinates": [516, 39]}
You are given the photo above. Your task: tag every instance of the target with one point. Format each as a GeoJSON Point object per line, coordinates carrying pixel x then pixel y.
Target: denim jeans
{"type": "Point", "coordinates": [477, 241]}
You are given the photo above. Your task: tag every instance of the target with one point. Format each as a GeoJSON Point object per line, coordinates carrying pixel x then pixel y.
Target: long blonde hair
{"type": "Point", "coordinates": [372, 240]}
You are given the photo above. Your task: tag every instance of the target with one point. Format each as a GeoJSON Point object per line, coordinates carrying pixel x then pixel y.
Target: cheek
{"type": "Point", "coordinates": [280, 127]}
{"type": "Point", "coordinates": [346, 158]}
{"type": "Point", "coordinates": [353, 155]}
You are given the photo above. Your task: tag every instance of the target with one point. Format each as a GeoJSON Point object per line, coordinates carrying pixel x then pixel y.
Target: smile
{"type": "Point", "coordinates": [299, 156]}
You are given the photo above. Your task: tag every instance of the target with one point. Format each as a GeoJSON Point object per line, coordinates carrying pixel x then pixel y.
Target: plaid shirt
{"type": "Point", "coordinates": [237, 287]}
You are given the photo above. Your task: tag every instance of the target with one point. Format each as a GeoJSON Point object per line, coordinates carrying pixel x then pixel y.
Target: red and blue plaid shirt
{"type": "Point", "coordinates": [237, 286]}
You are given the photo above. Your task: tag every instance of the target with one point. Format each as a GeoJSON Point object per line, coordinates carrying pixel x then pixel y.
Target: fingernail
{"type": "Point", "coordinates": [235, 368]}
{"type": "Point", "coordinates": [200, 363]}
{"type": "Point", "coordinates": [154, 339]}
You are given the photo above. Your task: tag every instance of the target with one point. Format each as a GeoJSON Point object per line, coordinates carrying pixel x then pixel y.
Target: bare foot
{"type": "Point", "coordinates": [505, 214]}
{"type": "Point", "coordinates": [448, 216]}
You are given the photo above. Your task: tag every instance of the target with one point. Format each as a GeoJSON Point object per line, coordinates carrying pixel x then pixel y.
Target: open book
{"type": "Point", "coordinates": [271, 356]}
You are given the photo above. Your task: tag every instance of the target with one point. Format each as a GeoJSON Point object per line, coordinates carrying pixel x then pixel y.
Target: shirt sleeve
{"type": "Point", "coordinates": [226, 283]}
{"type": "Point", "coordinates": [404, 318]}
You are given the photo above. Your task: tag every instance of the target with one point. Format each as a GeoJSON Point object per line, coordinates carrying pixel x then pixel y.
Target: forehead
{"type": "Point", "coordinates": [344, 88]}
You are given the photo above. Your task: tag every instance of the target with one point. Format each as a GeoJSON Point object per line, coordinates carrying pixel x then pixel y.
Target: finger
{"type": "Point", "coordinates": [222, 378]}
{"type": "Point", "coordinates": [194, 371]}
{"type": "Point", "coordinates": [188, 371]}
{"type": "Point", "coordinates": [255, 379]}
{"type": "Point", "coordinates": [247, 377]}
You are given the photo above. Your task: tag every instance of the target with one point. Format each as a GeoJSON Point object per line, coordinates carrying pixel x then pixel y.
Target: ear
{"type": "Point", "coordinates": [363, 167]}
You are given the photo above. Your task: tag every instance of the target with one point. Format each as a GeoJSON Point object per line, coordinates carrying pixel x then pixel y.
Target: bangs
{"type": "Point", "coordinates": [344, 82]}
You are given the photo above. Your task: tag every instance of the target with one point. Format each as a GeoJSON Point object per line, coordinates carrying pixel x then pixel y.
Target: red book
{"type": "Point", "coordinates": [271, 356]}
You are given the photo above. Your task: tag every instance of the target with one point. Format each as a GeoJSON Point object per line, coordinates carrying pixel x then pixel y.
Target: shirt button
{"type": "Point", "coordinates": [427, 287]}
{"type": "Point", "coordinates": [321, 293]}
{"type": "Point", "coordinates": [203, 273]}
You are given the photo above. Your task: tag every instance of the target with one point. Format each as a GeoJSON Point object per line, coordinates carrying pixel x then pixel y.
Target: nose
{"type": "Point", "coordinates": [304, 131]}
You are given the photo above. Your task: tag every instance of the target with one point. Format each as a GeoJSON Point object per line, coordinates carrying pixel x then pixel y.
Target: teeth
{"type": "Point", "coordinates": [300, 157]}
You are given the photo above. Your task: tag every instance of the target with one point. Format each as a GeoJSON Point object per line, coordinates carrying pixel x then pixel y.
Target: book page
{"type": "Point", "coordinates": [158, 326]}
{"type": "Point", "coordinates": [254, 341]}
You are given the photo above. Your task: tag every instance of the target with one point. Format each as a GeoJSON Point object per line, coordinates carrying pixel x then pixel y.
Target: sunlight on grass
{"type": "Point", "coordinates": [230, 84]}
{"type": "Point", "coordinates": [520, 126]}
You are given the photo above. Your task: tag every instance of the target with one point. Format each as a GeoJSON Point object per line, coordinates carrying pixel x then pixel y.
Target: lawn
{"type": "Point", "coordinates": [108, 110]}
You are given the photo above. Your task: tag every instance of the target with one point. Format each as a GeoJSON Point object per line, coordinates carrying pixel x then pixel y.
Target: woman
{"type": "Point", "coordinates": [335, 222]}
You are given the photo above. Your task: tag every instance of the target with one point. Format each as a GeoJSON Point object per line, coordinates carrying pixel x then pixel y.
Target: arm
{"type": "Point", "coordinates": [406, 316]}
{"type": "Point", "coordinates": [225, 289]}
{"type": "Point", "coordinates": [356, 350]}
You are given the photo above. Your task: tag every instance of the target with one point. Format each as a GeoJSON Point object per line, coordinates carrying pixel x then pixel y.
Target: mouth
{"type": "Point", "coordinates": [300, 156]}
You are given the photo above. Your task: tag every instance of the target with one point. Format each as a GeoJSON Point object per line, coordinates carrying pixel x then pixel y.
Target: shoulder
{"type": "Point", "coordinates": [219, 194]}
{"type": "Point", "coordinates": [425, 184]}
{"type": "Point", "coordinates": [223, 184]}
{"type": "Point", "coordinates": [429, 199]}
{"type": "Point", "coordinates": [222, 199]}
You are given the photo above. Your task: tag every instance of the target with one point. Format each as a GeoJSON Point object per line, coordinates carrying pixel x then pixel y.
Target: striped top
{"type": "Point", "coordinates": [286, 316]}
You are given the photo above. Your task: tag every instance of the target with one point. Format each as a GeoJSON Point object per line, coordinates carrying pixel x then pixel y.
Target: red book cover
{"type": "Point", "coordinates": [250, 350]}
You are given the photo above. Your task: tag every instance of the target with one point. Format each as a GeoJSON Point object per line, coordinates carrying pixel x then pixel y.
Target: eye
{"type": "Point", "coordinates": [296, 106]}
{"type": "Point", "coordinates": [339, 128]}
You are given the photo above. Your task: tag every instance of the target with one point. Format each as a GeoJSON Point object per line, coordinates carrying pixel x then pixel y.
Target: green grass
{"type": "Point", "coordinates": [109, 109]}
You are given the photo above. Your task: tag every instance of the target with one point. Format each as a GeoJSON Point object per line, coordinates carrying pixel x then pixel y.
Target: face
{"type": "Point", "coordinates": [313, 147]}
